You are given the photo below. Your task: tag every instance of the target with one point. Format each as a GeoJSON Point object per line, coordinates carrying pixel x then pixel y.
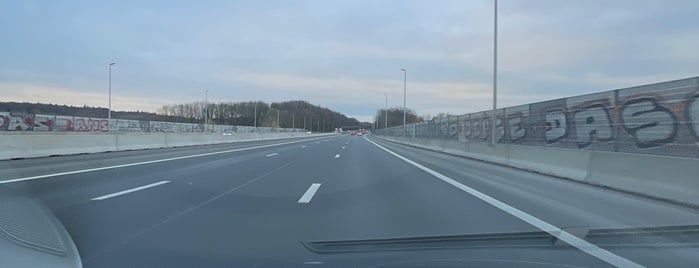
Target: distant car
{"type": "Point", "coordinates": [308, 132]}
{"type": "Point", "coordinates": [353, 133]}
{"type": "Point", "coordinates": [227, 133]}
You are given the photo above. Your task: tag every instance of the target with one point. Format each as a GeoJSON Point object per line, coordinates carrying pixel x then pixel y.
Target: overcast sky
{"type": "Point", "coordinates": [343, 55]}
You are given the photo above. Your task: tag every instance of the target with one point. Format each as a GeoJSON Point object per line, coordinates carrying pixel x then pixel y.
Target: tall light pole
{"type": "Point", "coordinates": [255, 117]}
{"type": "Point", "coordinates": [293, 121]}
{"type": "Point", "coordinates": [405, 79]}
{"type": "Point", "coordinates": [495, 70]}
{"type": "Point", "coordinates": [386, 119]}
{"type": "Point", "coordinates": [278, 123]}
{"type": "Point", "coordinates": [109, 111]}
{"type": "Point", "coordinates": [206, 110]}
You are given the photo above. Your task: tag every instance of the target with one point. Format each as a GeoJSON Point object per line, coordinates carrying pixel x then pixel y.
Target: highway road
{"type": "Point", "coordinates": [329, 202]}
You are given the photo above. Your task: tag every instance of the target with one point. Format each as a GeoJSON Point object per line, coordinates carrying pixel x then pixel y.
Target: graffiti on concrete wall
{"type": "Point", "coordinates": [20, 122]}
{"type": "Point", "coordinates": [660, 118]}
{"type": "Point", "coordinates": [23, 122]}
{"type": "Point", "coordinates": [11, 121]}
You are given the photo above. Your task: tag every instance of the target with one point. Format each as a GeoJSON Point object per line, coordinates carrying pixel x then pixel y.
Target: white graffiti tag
{"type": "Point", "coordinates": [693, 115]}
{"type": "Point", "coordinates": [556, 126]}
{"type": "Point", "coordinates": [593, 123]}
{"type": "Point", "coordinates": [649, 123]}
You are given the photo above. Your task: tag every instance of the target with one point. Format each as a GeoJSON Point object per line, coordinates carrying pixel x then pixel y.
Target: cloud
{"type": "Point", "coordinates": [362, 118]}
{"type": "Point", "coordinates": [424, 97]}
{"type": "Point", "coordinates": [342, 55]}
{"type": "Point", "coordinates": [24, 92]}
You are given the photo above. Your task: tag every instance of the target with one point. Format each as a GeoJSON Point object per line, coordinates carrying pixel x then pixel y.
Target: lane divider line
{"type": "Point", "coordinates": [130, 190]}
{"type": "Point", "coordinates": [304, 146]}
{"type": "Point", "coordinates": [337, 156]}
{"type": "Point", "coordinates": [149, 162]}
{"type": "Point", "coordinates": [272, 154]}
{"type": "Point", "coordinates": [562, 235]}
{"type": "Point", "coordinates": [308, 195]}
{"type": "Point", "coordinates": [343, 147]}
{"type": "Point", "coordinates": [182, 213]}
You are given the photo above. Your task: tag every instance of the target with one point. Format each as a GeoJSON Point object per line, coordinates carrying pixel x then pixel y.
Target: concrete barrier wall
{"type": "Point", "coordinates": [642, 139]}
{"type": "Point", "coordinates": [18, 145]}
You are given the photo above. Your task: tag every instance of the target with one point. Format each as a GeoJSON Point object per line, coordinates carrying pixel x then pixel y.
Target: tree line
{"type": "Point", "coordinates": [288, 114]}
{"type": "Point", "coordinates": [395, 117]}
{"type": "Point", "coordinates": [87, 111]}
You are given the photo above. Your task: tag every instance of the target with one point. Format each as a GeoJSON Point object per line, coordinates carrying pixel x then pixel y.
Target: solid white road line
{"type": "Point", "coordinates": [130, 190]}
{"type": "Point", "coordinates": [564, 236]}
{"type": "Point", "coordinates": [304, 146]}
{"type": "Point", "coordinates": [306, 197]}
{"type": "Point", "coordinates": [337, 156]}
{"type": "Point", "coordinates": [273, 154]}
{"type": "Point", "coordinates": [343, 147]}
{"type": "Point", "coordinates": [148, 162]}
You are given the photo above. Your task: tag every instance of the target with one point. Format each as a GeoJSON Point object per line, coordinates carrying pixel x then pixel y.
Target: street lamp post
{"type": "Point", "coordinates": [206, 110]}
{"type": "Point", "coordinates": [386, 118]}
{"type": "Point", "coordinates": [109, 111]}
{"type": "Point", "coordinates": [255, 122]}
{"type": "Point", "coordinates": [495, 70]}
{"type": "Point", "coordinates": [405, 79]}
{"type": "Point", "coordinates": [293, 121]}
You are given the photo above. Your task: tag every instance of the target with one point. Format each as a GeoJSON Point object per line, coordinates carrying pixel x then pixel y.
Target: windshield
{"type": "Point", "coordinates": [349, 133]}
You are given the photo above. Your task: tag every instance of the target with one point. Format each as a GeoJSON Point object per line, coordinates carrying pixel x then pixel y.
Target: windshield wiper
{"type": "Point", "coordinates": [663, 236]}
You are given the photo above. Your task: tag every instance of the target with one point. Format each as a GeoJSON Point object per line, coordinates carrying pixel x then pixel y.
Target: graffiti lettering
{"type": "Point", "coordinates": [499, 130]}
{"type": "Point", "coordinates": [650, 124]}
{"type": "Point", "coordinates": [661, 118]}
{"type": "Point", "coordinates": [477, 128]}
{"type": "Point", "coordinates": [556, 126]}
{"type": "Point", "coordinates": [593, 123]}
{"type": "Point", "coordinates": [693, 115]}
{"type": "Point", "coordinates": [4, 121]}
{"type": "Point", "coordinates": [442, 129]}
{"type": "Point", "coordinates": [82, 124]}
{"type": "Point", "coordinates": [42, 124]}
{"type": "Point", "coordinates": [453, 131]}
{"type": "Point", "coordinates": [20, 123]}
{"type": "Point", "coordinates": [63, 125]}
{"type": "Point", "coordinates": [516, 127]}
{"type": "Point", "coordinates": [467, 128]}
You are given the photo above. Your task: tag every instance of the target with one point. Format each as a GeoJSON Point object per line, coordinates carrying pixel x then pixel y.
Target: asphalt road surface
{"type": "Point", "coordinates": [278, 203]}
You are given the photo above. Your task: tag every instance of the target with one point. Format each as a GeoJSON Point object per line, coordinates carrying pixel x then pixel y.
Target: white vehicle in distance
{"type": "Point", "coordinates": [228, 131]}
